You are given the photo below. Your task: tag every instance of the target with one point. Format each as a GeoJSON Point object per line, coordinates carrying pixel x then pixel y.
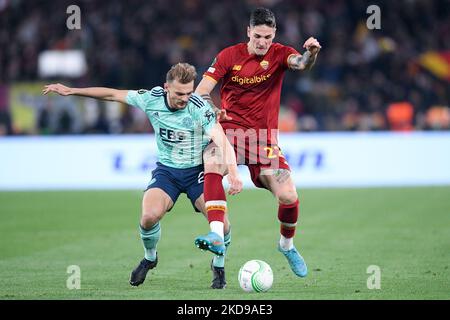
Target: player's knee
{"type": "Point", "coordinates": [150, 217]}
{"type": "Point", "coordinates": [213, 167]}
{"type": "Point", "coordinates": [287, 196]}
{"type": "Point", "coordinates": [212, 161]}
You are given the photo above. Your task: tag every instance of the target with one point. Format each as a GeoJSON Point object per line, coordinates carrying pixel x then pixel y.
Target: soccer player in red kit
{"type": "Point", "coordinates": [252, 75]}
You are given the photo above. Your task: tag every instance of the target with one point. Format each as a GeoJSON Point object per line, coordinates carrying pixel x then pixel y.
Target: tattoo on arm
{"type": "Point", "coordinates": [306, 61]}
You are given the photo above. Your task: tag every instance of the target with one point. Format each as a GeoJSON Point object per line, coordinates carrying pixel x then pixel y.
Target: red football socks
{"type": "Point", "coordinates": [288, 215]}
{"type": "Point", "coordinates": [215, 199]}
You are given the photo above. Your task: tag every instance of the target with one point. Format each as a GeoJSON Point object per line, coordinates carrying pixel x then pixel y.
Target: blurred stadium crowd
{"type": "Point", "coordinates": [395, 78]}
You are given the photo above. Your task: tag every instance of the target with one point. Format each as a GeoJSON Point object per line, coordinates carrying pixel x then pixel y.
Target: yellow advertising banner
{"type": "Point", "coordinates": [25, 99]}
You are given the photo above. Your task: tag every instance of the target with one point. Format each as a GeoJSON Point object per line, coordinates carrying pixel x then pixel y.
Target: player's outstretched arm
{"type": "Point", "coordinates": [204, 89]}
{"type": "Point", "coordinates": [307, 60]}
{"type": "Point", "coordinates": [94, 92]}
{"type": "Point", "coordinates": [228, 157]}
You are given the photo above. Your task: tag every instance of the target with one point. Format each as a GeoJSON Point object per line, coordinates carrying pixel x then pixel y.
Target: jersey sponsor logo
{"type": "Point", "coordinates": [250, 80]}
{"type": "Point", "coordinates": [264, 64]}
{"type": "Point", "coordinates": [172, 136]}
{"type": "Point", "coordinates": [237, 67]}
{"type": "Point", "coordinates": [211, 70]}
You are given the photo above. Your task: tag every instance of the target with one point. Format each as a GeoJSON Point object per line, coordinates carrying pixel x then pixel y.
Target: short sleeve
{"type": "Point", "coordinates": [287, 52]}
{"type": "Point", "coordinates": [219, 67]}
{"type": "Point", "coordinates": [138, 98]}
{"type": "Point", "coordinates": [209, 119]}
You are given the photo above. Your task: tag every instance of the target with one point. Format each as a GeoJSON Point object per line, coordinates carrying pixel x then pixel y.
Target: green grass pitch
{"type": "Point", "coordinates": [404, 231]}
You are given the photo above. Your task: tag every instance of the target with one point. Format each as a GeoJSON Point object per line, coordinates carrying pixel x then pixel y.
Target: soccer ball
{"type": "Point", "coordinates": [255, 276]}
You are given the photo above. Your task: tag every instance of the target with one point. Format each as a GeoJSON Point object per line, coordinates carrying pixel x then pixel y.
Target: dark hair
{"type": "Point", "coordinates": [261, 16]}
{"type": "Point", "coordinates": [182, 72]}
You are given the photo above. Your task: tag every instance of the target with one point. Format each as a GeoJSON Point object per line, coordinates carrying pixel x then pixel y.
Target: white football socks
{"type": "Point", "coordinates": [217, 227]}
{"type": "Point", "coordinates": [286, 243]}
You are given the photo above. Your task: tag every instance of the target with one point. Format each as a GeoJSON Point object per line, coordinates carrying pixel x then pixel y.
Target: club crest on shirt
{"type": "Point", "coordinates": [264, 64]}
{"type": "Point", "coordinates": [209, 116]}
{"type": "Point", "coordinates": [187, 122]}
{"type": "Point", "coordinates": [237, 67]}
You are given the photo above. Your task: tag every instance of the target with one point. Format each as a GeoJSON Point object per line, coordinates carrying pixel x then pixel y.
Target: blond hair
{"type": "Point", "coordinates": [182, 72]}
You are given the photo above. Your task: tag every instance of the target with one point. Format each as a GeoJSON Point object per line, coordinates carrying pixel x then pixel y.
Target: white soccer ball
{"type": "Point", "coordinates": [255, 276]}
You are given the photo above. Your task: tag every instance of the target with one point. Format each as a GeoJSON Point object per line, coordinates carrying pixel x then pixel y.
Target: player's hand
{"type": "Point", "coordinates": [57, 88]}
{"type": "Point", "coordinates": [235, 183]}
{"type": "Point", "coordinates": [312, 45]}
{"type": "Point", "coordinates": [222, 115]}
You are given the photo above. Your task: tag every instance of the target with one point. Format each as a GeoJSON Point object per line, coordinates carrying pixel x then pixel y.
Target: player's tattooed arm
{"type": "Point", "coordinates": [302, 62]}
{"type": "Point", "coordinates": [204, 88]}
{"type": "Point", "coordinates": [307, 60]}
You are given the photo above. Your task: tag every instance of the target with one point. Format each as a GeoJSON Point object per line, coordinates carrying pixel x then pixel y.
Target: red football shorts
{"type": "Point", "coordinates": [258, 156]}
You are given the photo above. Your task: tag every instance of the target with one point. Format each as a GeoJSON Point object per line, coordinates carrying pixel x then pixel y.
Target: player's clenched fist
{"type": "Point", "coordinates": [312, 45]}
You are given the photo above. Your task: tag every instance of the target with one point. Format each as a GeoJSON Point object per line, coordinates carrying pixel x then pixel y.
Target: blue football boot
{"type": "Point", "coordinates": [211, 242]}
{"type": "Point", "coordinates": [295, 260]}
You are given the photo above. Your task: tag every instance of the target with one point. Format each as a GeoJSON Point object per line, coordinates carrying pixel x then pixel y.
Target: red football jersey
{"type": "Point", "coordinates": [251, 86]}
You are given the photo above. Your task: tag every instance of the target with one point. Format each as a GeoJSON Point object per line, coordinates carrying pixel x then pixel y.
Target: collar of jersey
{"type": "Point", "coordinates": [167, 104]}
{"type": "Point", "coordinates": [253, 55]}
